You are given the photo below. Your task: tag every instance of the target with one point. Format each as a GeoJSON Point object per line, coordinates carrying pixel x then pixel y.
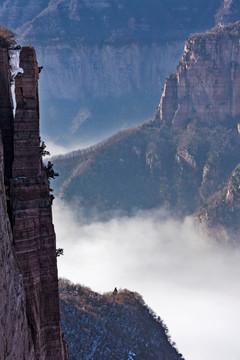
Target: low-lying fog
{"type": "Point", "coordinates": [56, 149]}
{"type": "Point", "coordinates": [190, 281]}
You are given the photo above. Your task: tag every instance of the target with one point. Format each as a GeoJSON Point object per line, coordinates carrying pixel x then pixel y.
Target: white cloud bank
{"type": "Point", "coordinates": [189, 280]}
{"type": "Point", "coordinates": [55, 148]}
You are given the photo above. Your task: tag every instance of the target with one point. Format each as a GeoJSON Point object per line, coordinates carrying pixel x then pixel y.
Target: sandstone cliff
{"type": "Point", "coordinates": [30, 315]}
{"type": "Point", "coordinates": [16, 339]}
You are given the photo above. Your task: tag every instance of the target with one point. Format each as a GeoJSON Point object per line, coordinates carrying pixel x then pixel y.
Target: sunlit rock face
{"type": "Point", "coordinates": [184, 155]}
{"type": "Point", "coordinates": [206, 86]}
{"type": "Point", "coordinates": [109, 58]}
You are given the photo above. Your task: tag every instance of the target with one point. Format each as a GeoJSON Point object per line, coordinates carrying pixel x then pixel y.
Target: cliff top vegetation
{"type": "Point", "coordinates": [231, 29]}
{"type": "Point", "coordinates": [117, 321]}
{"type": "Point", "coordinates": [7, 37]}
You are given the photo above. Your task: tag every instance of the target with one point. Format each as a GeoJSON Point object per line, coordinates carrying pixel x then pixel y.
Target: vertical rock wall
{"type": "Point", "coordinates": [6, 113]}
{"type": "Point", "coordinates": [206, 86]}
{"type": "Point", "coordinates": [15, 337]}
{"type": "Point", "coordinates": [33, 231]}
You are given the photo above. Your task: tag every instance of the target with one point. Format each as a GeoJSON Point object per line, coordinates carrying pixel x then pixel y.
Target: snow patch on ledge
{"type": "Point", "coordinates": [15, 69]}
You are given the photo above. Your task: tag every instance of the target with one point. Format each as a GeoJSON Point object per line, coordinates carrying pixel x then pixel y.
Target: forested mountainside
{"type": "Point", "coordinates": [105, 62]}
{"type": "Point", "coordinates": [181, 157]}
{"type": "Point", "coordinates": [117, 325]}
{"type": "Point", "coordinates": [221, 212]}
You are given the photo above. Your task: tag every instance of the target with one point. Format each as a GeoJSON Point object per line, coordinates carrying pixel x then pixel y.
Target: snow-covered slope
{"type": "Point", "coordinates": [113, 326]}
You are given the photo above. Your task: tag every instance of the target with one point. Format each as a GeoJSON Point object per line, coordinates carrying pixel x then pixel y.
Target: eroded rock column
{"type": "Point", "coordinates": [33, 231]}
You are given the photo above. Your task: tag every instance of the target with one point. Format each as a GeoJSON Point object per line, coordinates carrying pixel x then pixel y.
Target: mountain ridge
{"type": "Point", "coordinates": [120, 325]}
{"type": "Point", "coordinates": [182, 156]}
{"type": "Point", "coordinates": [108, 57]}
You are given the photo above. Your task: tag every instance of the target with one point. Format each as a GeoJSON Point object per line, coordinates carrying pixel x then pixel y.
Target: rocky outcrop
{"type": "Point", "coordinates": [116, 325]}
{"type": "Point", "coordinates": [114, 74]}
{"type": "Point", "coordinates": [29, 303]}
{"type": "Point", "coordinates": [16, 339]}
{"type": "Point", "coordinates": [205, 88]}
{"type": "Point", "coordinates": [181, 157]}
{"type": "Point", "coordinates": [228, 12]}
{"type": "Point", "coordinates": [220, 214]}
{"type": "Point", "coordinates": [33, 231]}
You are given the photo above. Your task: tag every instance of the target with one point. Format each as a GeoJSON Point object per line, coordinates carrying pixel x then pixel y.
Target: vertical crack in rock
{"type": "Point", "coordinates": [6, 114]}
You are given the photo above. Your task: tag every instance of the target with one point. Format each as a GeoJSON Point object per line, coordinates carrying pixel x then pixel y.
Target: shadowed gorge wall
{"type": "Point", "coordinates": [15, 340]}
{"type": "Point", "coordinates": [29, 306]}
{"type": "Point", "coordinates": [33, 230]}
{"type": "Point", "coordinates": [6, 114]}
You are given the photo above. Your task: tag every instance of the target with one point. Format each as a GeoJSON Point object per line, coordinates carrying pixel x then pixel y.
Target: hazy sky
{"type": "Point", "coordinates": [187, 279]}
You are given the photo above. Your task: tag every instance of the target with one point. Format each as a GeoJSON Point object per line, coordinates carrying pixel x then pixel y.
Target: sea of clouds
{"type": "Point", "coordinates": [190, 281]}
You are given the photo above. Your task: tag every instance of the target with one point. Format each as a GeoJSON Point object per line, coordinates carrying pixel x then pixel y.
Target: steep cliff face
{"type": "Point", "coordinates": [206, 86]}
{"type": "Point", "coordinates": [220, 214]}
{"type": "Point", "coordinates": [6, 114]}
{"type": "Point", "coordinates": [106, 70]}
{"type": "Point", "coordinates": [102, 87]}
{"type": "Point", "coordinates": [33, 231]}
{"type": "Point", "coordinates": [112, 57]}
{"type": "Point", "coordinates": [117, 325]}
{"type": "Point", "coordinates": [16, 339]}
{"type": "Point", "coordinates": [203, 94]}
{"type": "Point", "coordinates": [29, 306]}
{"type": "Point", "coordinates": [185, 154]}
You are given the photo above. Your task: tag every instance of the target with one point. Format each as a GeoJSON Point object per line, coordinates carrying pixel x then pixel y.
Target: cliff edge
{"type": "Point", "coordinates": [29, 305]}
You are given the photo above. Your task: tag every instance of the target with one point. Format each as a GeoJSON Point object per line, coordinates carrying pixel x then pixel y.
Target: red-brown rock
{"type": "Point", "coordinates": [15, 337]}
{"type": "Point", "coordinates": [6, 113]}
{"type": "Point", "coordinates": [33, 231]}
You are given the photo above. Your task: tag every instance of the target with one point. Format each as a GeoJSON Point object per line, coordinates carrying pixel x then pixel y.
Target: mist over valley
{"type": "Point", "coordinates": [139, 108]}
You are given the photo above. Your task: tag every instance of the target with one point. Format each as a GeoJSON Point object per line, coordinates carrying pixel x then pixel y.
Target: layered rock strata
{"type": "Point", "coordinates": [29, 302]}
{"type": "Point", "coordinates": [15, 337]}
{"type": "Point", "coordinates": [6, 114]}
{"type": "Point", "coordinates": [206, 86]}
{"type": "Point", "coordinates": [33, 231]}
